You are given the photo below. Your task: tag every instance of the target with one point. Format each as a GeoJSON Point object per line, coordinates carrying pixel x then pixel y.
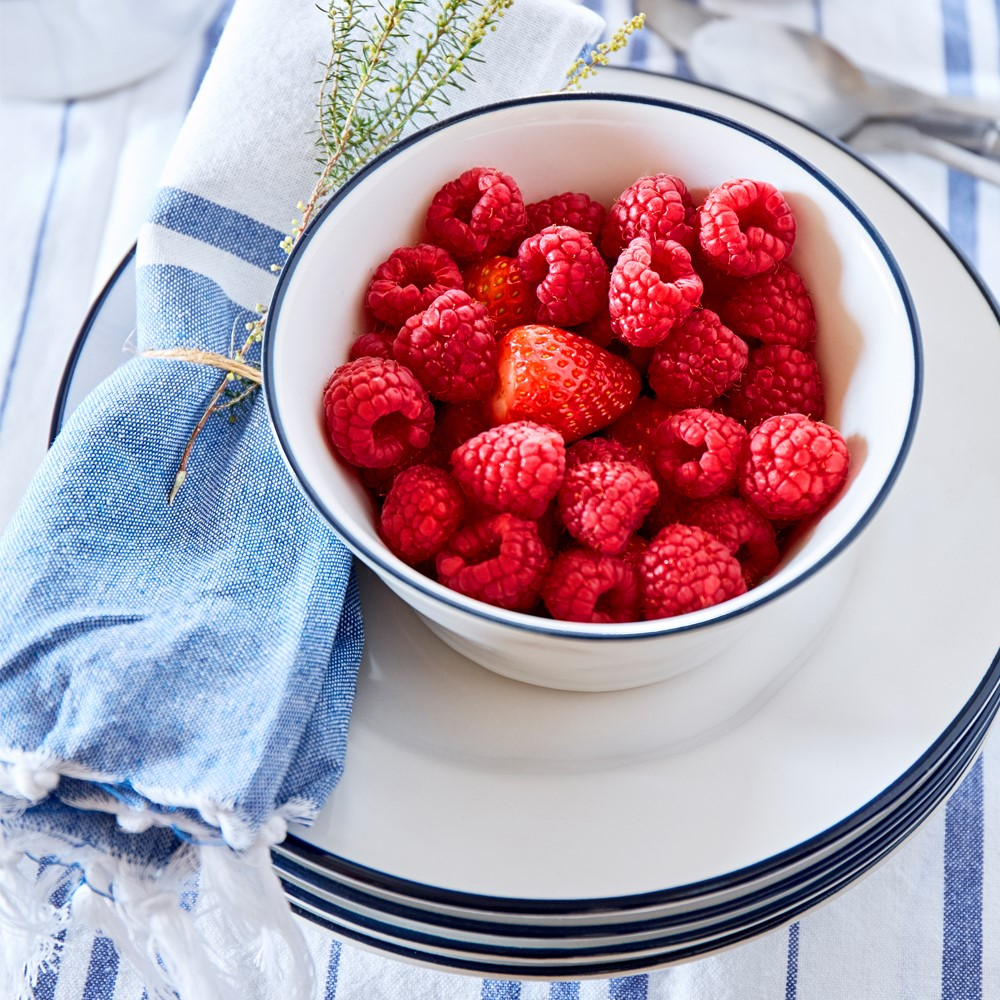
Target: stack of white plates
{"type": "Point", "coordinates": [497, 828]}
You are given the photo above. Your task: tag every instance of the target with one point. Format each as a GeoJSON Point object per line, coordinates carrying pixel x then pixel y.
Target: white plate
{"type": "Point", "coordinates": [461, 782]}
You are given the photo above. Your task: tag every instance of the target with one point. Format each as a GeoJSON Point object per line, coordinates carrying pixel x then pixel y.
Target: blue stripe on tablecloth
{"type": "Point", "coordinates": [818, 16]}
{"type": "Point", "coordinates": [102, 973]}
{"type": "Point", "coordinates": [962, 944]}
{"type": "Point", "coordinates": [45, 987]}
{"type": "Point", "coordinates": [629, 988]}
{"type": "Point", "coordinates": [963, 189]}
{"type": "Point", "coordinates": [792, 965]}
{"type": "Point", "coordinates": [962, 953]}
{"type": "Point", "coordinates": [332, 971]}
{"type": "Point", "coordinates": [564, 991]}
{"type": "Point", "coordinates": [36, 258]}
{"type": "Point", "coordinates": [221, 227]}
{"type": "Point", "coordinates": [500, 989]}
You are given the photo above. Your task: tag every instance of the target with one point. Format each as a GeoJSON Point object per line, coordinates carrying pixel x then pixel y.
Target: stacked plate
{"type": "Point", "coordinates": [492, 827]}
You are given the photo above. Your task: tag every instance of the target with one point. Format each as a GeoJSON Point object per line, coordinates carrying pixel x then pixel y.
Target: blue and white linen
{"type": "Point", "coordinates": [926, 924]}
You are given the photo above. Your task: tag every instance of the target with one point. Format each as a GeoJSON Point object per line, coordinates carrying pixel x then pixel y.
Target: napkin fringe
{"type": "Point", "coordinates": [238, 921]}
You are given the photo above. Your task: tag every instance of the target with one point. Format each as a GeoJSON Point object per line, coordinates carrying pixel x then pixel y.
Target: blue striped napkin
{"type": "Point", "coordinates": [176, 681]}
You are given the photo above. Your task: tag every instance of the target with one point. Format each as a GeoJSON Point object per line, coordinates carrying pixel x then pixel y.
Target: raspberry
{"type": "Point", "coordinates": [653, 287]}
{"type": "Point", "coordinates": [477, 214]}
{"type": "Point", "coordinates": [636, 429]}
{"type": "Point", "coordinates": [376, 412]}
{"type": "Point", "coordinates": [598, 328]}
{"type": "Point", "coordinates": [743, 530]}
{"type": "Point", "coordinates": [778, 379]}
{"type": "Point", "coordinates": [670, 507]}
{"type": "Point", "coordinates": [450, 347]}
{"type": "Point", "coordinates": [500, 560]}
{"type": "Point", "coordinates": [603, 503]}
{"type": "Point", "coordinates": [422, 510]}
{"type": "Point", "coordinates": [379, 481]}
{"type": "Point", "coordinates": [496, 282]}
{"type": "Point", "coordinates": [600, 449]}
{"type": "Point", "coordinates": [409, 280]}
{"type": "Point", "coordinates": [455, 423]}
{"type": "Point", "coordinates": [377, 344]}
{"type": "Point", "coordinates": [567, 209]}
{"type": "Point", "coordinates": [793, 466]}
{"type": "Point", "coordinates": [516, 468]}
{"type": "Point", "coordinates": [746, 227]}
{"type": "Point", "coordinates": [568, 272]}
{"type": "Point", "coordinates": [774, 307]}
{"type": "Point", "coordinates": [658, 207]}
{"type": "Point", "coordinates": [697, 361]}
{"type": "Point", "coordinates": [583, 586]}
{"type": "Point", "coordinates": [686, 569]}
{"type": "Point", "coordinates": [698, 451]}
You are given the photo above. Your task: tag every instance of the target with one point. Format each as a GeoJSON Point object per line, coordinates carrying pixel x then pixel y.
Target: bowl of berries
{"type": "Point", "coordinates": [597, 384]}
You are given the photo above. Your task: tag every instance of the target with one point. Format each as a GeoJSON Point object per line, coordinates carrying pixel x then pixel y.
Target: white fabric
{"type": "Point", "coordinates": [884, 937]}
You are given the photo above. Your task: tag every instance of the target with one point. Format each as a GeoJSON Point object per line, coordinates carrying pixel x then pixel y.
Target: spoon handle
{"type": "Point", "coordinates": [907, 139]}
{"type": "Point", "coordinates": [978, 135]}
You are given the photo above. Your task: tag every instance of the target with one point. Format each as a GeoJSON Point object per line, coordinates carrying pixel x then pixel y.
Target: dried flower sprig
{"type": "Point", "coordinates": [368, 97]}
{"type": "Point", "coordinates": [601, 54]}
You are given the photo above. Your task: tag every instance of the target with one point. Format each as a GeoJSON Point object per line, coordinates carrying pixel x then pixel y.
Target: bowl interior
{"type": "Point", "coordinates": [868, 346]}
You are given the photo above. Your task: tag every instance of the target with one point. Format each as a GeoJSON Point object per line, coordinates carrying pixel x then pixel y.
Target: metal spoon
{"type": "Point", "coordinates": [805, 76]}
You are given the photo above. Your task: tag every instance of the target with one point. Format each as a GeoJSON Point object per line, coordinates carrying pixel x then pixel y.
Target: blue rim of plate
{"type": "Point", "coordinates": [892, 792]}
{"type": "Point", "coordinates": [530, 623]}
{"type": "Point", "coordinates": [654, 952]}
{"type": "Point", "coordinates": [907, 816]}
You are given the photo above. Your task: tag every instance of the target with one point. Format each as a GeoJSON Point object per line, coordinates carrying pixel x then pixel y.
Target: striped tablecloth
{"type": "Point", "coordinates": [80, 174]}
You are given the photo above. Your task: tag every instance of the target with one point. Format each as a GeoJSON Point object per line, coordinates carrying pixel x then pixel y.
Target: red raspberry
{"type": "Point", "coordinates": [742, 529]}
{"type": "Point", "coordinates": [379, 481]}
{"type": "Point", "coordinates": [637, 428]}
{"type": "Point", "coordinates": [568, 272]}
{"type": "Point", "coordinates": [477, 214]}
{"type": "Point", "coordinates": [670, 508]}
{"type": "Point", "coordinates": [601, 504]}
{"type": "Point", "coordinates": [653, 287]}
{"type": "Point", "coordinates": [500, 560]}
{"type": "Point", "coordinates": [376, 412]}
{"type": "Point", "coordinates": [567, 209]}
{"type": "Point", "coordinates": [377, 344]}
{"type": "Point", "coordinates": [601, 449]}
{"type": "Point", "coordinates": [697, 361]}
{"type": "Point", "coordinates": [516, 467]}
{"type": "Point", "coordinates": [598, 328]}
{"type": "Point", "coordinates": [698, 451]}
{"type": "Point", "coordinates": [422, 510]}
{"type": "Point", "coordinates": [496, 282]}
{"type": "Point", "coordinates": [686, 569]}
{"type": "Point", "coordinates": [658, 207]}
{"type": "Point", "coordinates": [793, 466]}
{"type": "Point", "coordinates": [746, 227]}
{"type": "Point", "coordinates": [455, 423]}
{"type": "Point", "coordinates": [774, 307]}
{"type": "Point", "coordinates": [409, 280]}
{"type": "Point", "coordinates": [778, 379]}
{"type": "Point", "coordinates": [451, 347]}
{"type": "Point", "coordinates": [583, 586]}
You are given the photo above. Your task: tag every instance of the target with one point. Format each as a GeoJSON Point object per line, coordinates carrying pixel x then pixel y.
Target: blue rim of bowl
{"type": "Point", "coordinates": [893, 791]}
{"type": "Point", "coordinates": [530, 623]}
{"type": "Point", "coordinates": [837, 868]}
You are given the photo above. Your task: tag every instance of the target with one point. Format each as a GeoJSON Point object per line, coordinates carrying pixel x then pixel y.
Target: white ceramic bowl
{"type": "Point", "coordinates": [868, 350]}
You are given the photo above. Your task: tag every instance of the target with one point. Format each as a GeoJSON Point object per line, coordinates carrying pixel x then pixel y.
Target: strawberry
{"type": "Point", "coordinates": [551, 376]}
{"type": "Point", "coordinates": [497, 283]}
